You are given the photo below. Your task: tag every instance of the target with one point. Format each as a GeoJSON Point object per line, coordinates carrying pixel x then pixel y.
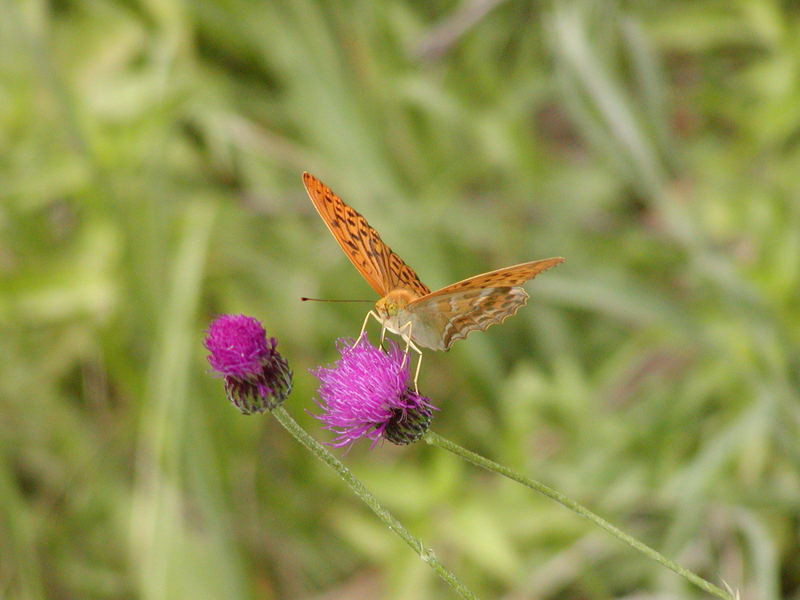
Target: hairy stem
{"type": "Point", "coordinates": [426, 554]}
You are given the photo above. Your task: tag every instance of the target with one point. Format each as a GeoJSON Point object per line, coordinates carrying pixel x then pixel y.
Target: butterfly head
{"type": "Point", "coordinates": [392, 303]}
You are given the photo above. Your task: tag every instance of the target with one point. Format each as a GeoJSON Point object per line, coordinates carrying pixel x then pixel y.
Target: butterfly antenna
{"type": "Point", "coordinates": [304, 299]}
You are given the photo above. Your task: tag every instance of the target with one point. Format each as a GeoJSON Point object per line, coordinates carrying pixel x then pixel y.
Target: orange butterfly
{"type": "Point", "coordinates": [407, 307]}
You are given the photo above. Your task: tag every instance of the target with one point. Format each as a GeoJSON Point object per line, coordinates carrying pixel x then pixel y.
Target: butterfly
{"type": "Point", "coordinates": [407, 307]}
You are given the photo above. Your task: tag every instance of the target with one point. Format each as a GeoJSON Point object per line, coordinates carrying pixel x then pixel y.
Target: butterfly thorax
{"type": "Point", "coordinates": [391, 309]}
{"type": "Point", "coordinates": [394, 302]}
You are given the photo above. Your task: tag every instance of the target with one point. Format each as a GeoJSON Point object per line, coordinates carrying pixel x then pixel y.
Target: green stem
{"type": "Point", "coordinates": [436, 440]}
{"type": "Point", "coordinates": [426, 554]}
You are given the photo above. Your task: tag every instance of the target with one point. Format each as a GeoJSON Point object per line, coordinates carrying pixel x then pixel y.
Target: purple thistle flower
{"type": "Point", "coordinates": [257, 377]}
{"type": "Point", "coordinates": [366, 394]}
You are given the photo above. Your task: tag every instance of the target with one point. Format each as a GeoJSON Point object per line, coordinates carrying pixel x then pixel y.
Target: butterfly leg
{"type": "Point", "coordinates": [411, 345]}
{"type": "Point", "coordinates": [364, 325]}
{"type": "Point", "coordinates": [419, 364]}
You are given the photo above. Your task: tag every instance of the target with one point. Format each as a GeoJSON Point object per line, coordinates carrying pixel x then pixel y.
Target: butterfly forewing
{"type": "Point", "coordinates": [383, 270]}
{"type": "Point", "coordinates": [506, 277]}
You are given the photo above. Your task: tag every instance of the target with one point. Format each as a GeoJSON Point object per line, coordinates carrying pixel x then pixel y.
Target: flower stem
{"type": "Point", "coordinates": [436, 440]}
{"type": "Point", "coordinates": [426, 554]}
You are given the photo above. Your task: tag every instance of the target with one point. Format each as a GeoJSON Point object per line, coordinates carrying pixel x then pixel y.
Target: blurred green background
{"type": "Point", "coordinates": [150, 161]}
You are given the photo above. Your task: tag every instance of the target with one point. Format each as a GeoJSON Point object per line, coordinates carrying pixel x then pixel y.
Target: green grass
{"type": "Point", "coordinates": [150, 160]}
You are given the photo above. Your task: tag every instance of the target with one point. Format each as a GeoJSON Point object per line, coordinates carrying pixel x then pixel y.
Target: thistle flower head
{"type": "Point", "coordinates": [257, 378]}
{"type": "Point", "coordinates": [366, 394]}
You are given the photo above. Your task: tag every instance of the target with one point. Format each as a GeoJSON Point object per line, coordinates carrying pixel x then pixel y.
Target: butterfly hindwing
{"type": "Point", "coordinates": [383, 270]}
{"type": "Point", "coordinates": [440, 319]}
{"type": "Point", "coordinates": [449, 314]}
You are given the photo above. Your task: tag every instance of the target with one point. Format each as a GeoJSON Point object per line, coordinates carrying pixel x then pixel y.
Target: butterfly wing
{"type": "Point", "coordinates": [383, 270]}
{"type": "Point", "coordinates": [439, 321]}
{"type": "Point", "coordinates": [448, 315]}
{"type": "Point", "coordinates": [506, 277]}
